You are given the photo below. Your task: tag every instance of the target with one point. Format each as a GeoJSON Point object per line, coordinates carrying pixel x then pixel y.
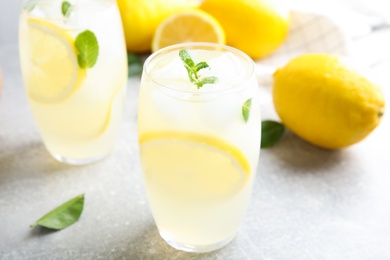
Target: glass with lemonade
{"type": "Point", "coordinates": [74, 67]}
{"type": "Point", "coordinates": [199, 138]}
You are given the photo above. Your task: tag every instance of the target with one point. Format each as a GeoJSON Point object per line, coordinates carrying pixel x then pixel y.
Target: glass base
{"type": "Point", "coordinates": [78, 161]}
{"type": "Point", "coordinates": [195, 248]}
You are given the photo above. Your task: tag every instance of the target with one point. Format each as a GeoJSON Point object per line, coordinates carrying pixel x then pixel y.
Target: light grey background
{"type": "Point", "coordinates": [9, 13]}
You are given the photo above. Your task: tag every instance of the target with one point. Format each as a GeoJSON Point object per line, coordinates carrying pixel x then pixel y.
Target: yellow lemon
{"type": "Point", "coordinates": [325, 101]}
{"type": "Point", "coordinates": [53, 72]}
{"type": "Point", "coordinates": [188, 26]}
{"type": "Point", "coordinates": [257, 27]}
{"type": "Point", "coordinates": [141, 17]}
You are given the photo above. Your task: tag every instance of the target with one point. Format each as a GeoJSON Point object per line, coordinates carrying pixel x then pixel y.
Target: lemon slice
{"type": "Point", "coordinates": [188, 26]}
{"type": "Point", "coordinates": [114, 106]}
{"type": "Point", "coordinates": [53, 70]}
{"type": "Point", "coordinates": [198, 167]}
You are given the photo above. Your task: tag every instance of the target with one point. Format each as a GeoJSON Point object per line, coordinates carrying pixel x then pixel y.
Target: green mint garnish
{"type": "Point", "coordinates": [246, 109]}
{"type": "Point", "coordinates": [134, 64]}
{"type": "Point", "coordinates": [62, 216]}
{"type": "Point", "coordinates": [271, 132]}
{"type": "Point", "coordinates": [88, 48]}
{"type": "Point", "coordinates": [65, 8]}
{"type": "Point", "coordinates": [194, 68]}
{"type": "Point", "coordinates": [30, 5]}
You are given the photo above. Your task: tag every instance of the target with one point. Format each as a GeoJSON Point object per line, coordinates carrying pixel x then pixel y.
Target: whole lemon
{"type": "Point", "coordinates": [325, 101]}
{"type": "Point", "coordinates": [140, 19]}
{"type": "Point", "coordinates": [257, 27]}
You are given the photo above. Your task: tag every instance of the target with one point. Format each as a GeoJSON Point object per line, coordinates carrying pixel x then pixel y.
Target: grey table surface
{"type": "Point", "coordinates": [307, 203]}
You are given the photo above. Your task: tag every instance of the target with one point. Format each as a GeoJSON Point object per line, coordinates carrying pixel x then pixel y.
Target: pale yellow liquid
{"type": "Point", "coordinates": [199, 156]}
{"type": "Point", "coordinates": [85, 124]}
{"type": "Point", "coordinates": [198, 186]}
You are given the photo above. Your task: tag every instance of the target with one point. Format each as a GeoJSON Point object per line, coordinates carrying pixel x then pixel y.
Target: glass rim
{"type": "Point", "coordinates": [204, 46]}
{"type": "Point", "coordinates": [53, 19]}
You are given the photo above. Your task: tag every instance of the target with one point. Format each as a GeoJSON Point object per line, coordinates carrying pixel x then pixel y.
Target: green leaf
{"type": "Point", "coordinates": [246, 109]}
{"type": "Point", "coordinates": [30, 5]}
{"type": "Point", "coordinates": [193, 69]}
{"type": "Point", "coordinates": [186, 58]}
{"type": "Point", "coordinates": [62, 216]}
{"type": "Point", "coordinates": [191, 74]}
{"type": "Point", "coordinates": [201, 65]}
{"type": "Point", "coordinates": [65, 8]}
{"type": "Point", "coordinates": [271, 132]}
{"type": "Point", "coordinates": [134, 64]}
{"type": "Point", "coordinates": [88, 48]}
{"type": "Point", "coordinates": [207, 80]}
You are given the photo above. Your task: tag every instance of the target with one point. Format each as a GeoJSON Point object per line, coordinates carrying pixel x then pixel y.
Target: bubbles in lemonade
{"type": "Point", "coordinates": [198, 154]}
{"type": "Point", "coordinates": [78, 110]}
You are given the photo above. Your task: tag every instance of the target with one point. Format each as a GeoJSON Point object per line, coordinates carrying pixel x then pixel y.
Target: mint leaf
{"type": "Point", "coordinates": [193, 68]}
{"type": "Point", "coordinates": [271, 132]}
{"type": "Point", "coordinates": [88, 48]}
{"type": "Point", "coordinates": [186, 58]}
{"type": "Point", "coordinates": [30, 5]}
{"type": "Point", "coordinates": [246, 109]}
{"type": "Point", "coordinates": [65, 8]}
{"type": "Point", "coordinates": [207, 80]}
{"type": "Point", "coordinates": [201, 65]}
{"type": "Point", "coordinates": [134, 64]}
{"type": "Point", "coordinates": [62, 216]}
{"type": "Point", "coordinates": [191, 74]}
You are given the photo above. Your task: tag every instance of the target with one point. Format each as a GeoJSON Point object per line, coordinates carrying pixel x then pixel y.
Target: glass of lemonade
{"type": "Point", "coordinates": [74, 67]}
{"type": "Point", "coordinates": [199, 146]}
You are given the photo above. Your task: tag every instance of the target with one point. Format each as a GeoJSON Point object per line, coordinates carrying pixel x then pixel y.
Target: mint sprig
{"type": "Point", "coordinates": [65, 8]}
{"type": "Point", "coordinates": [194, 68]}
{"type": "Point", "coordinates": [88, 48]}
{"type": "Point", "coordinates": [62, 216]}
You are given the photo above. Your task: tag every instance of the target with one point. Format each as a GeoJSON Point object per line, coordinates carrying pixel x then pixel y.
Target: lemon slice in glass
{"type": "Point", "coordinates": [115, 105]}
{"type": "Point", "coordinates": [54, 73]}
{"type": "Point", "coordinates": [193, 165]}
{"type": "Point", "coordinates": [188, 26]}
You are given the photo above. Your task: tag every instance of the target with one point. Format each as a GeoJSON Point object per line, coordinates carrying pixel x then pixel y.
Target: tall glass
{"type": "Point", "coordinates": [74, 67]}
{"type": "Point", "coordinates": [199, 148]}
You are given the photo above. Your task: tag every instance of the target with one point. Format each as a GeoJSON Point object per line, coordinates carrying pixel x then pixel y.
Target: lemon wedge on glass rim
{"type": "Point", "coordinates": [54, 73]}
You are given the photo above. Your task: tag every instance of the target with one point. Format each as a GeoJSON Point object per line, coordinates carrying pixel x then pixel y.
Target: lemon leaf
{"type": "Point", "coordinates": [271, 132]}
{"type": "Point", "coordinates": [65, 8]}
{"type": "Point", "coordinates": [246, 109]}
{"type": "Point", "coordinates": [88, 48]}
{"type": "Point", "coordinates": [62, 216]}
